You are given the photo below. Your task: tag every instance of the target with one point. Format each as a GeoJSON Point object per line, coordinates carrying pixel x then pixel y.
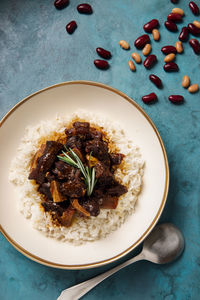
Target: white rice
{"type": "Point", "coordinates": [82, 229]}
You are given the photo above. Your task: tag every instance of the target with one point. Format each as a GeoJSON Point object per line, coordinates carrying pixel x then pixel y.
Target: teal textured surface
{"type": "Point", "coordinates": [35, 52]}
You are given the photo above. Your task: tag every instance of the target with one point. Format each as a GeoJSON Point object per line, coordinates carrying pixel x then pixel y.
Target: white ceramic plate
{"type": "Point", "coordinates": [98, 98]}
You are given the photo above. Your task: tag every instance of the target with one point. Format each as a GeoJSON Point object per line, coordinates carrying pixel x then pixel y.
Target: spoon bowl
{"type": "Point", "coordinates": [164, 244]}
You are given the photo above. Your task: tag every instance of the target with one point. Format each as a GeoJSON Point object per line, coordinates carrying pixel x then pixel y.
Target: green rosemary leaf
{"type": "Point", "coordinates": [93, 178]}
{"type": "Point", "coordinates": [88, 181]}
{"type": "Point", "coordinates": [69, 157]}
{"type": "Point", "coordinates": [89, 163]}
{"type": "Point", "coordinates": [89, 173]}
{"type": "Point", "coordinates": [66, 160]}
{"type": "Point", "coordinates": [79, 162]}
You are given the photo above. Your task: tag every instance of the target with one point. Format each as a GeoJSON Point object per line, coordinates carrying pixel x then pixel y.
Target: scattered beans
{"type": "Point", "coordinates": [195, 46]}
{"type": "Point", "coordinates": [84, 8]}
{"type": "Point", "coordinates": [171, 67]}
{"type": "Point", "coordinates": [142, 41]}
{"type": "Point", "coordinates": [150, 61]}
{"type": "Point", "coordinates": [193, 29]}
{"type": "Point", "coordinates": [171, 26]}
{"type": "Point", "coordinates": [196, 23]}
{"type": "Point", "coordinates": [71, 27]}
{"type": "Point", "coordinates": [168, 50]}
{"type": "Point", "coordinates": [174, 1]}
{"type": "Point", "coordinates": [170, 57]}
{"type": "Point", "coordinates": [179, 47]}
{"type": "Point", "coordinates": [124, 44]}
{"type": "Point", "coordinates": [156, 34]}
{"type": "Point", "coordinates": [194, 8]}
{"type": "Point", "coordinates": [101, 64]}
{"type": "Point", "coordinates": [103, 53]}
{"type": "Point", "coordinates": [183, 36]}
{"type": "Point", "coordinates": [131, 65]}
{"type": "Point", "coordinates": [185, 81]}
{"type": "Point", "coordinates": [136, 57]}
{"type": "Point", "coordinates": [174, 17]}
{"type": "Point", "coordinates": [147, 49]}
{"type": "Point", "coordinates": [156, 80]}
{"type": "Point", "coordinates": [148, 27]}
{"type": "Point", "coordinates": [193, 88]}
{"type": "Point", "coordinates": [177, 99]}
{"type": "Point", "coordinates": [149, 98]}
{"type": "Point", "coordinates": [60, 4]}
{"type": "Point", "coordinates": [178, 10]}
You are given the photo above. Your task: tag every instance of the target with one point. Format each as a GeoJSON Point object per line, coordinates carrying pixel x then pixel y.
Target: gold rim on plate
{"type": "Point", "coordinates": [112, 259]}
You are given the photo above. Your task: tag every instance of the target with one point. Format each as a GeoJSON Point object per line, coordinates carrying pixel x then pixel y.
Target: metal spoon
{"type": "Point", "coordinates": [163, 245]}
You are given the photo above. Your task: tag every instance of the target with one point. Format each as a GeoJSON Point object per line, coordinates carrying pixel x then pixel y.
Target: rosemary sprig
{"type": "Point", "coordinates": [72, 159]}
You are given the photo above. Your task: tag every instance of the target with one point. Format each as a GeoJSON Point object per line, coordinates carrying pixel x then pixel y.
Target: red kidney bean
{"type": "Point", "coordinates": [148, 27]}
{"type": "Point", "coordinates": [149, 98]}
{"type": "Point", "coordinates": [176, 99]}
{"type": "Point", "coordinates": [193, 29]}
{"type": "Point", "coordinates": [150, 61]}
{"type": "Point", "coordinates": [195, 46]}
{"type": "Point", "coordinates": [183, 36]}
{"type": "Point", "coordinates": [174, 17]}
{"type": "Point", "coordinates": [194, 8]}
{"type": "Point", "coordinates": [60, 4]}
{"type": "Point", "coordinates": [171, 67]}
{"type": "Point", "coordinates": [156, 80]}
{"type": "Point", "coordinates": [71, 26]}
{"type": "Point", "coordinates": [101, 64]}
{"type": "Point", "coordinates": [168, 50]}
{"type": "Point", "coordinates": [174, 1]}
{"type": "Point", "coordinates": [171, 26]}
{"type": "Point", "coordinates": [84, 8]}
{"type": "Point", "coordinates": [103, 53]}
{"type": "Point", "coordinates": [142, 41]}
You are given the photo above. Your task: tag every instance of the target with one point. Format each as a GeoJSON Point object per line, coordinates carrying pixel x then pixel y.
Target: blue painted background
{"type": "Point", "coordinates": [35, 52]}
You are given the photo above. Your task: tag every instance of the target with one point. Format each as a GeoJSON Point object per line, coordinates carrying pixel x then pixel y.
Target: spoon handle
{"type": "Point", "coordinates": [77, 291]}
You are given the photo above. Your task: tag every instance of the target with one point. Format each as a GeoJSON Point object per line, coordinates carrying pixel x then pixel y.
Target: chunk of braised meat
{"type": "Point", "coordinates": [73, 188]}
{"type": "Point", "coordinates": [104, 200]}
{"type": "Point", "coordinates": [44, 189]}
{"type": "Point", "coordinates": [116, 158]}
{"type": "Point", "coordinates": [45, 162]}
{"type": "Point", "coordinates": [92, 206]}
{"type": "Point", "coordinates": [67, 216]}
{"type": "Point", "coordinates": [116, 190]}
{"type": "Point", "coordinates": [37, 155]}
{"type": "Point", "coordinates": [104, 175]}
{"type": "Point", "coordinates": [63, 171]}
{"type": "Point", "coordinates": [102, 170]}
{"type": "Point", "coordinates": [70, 132]}
{"type": "Point", "coordinates": [98, 194]}
{"type": "Point", "coordinates": [74, 142]}
{"type": "Point", "coordinates": [57, 208]}
{"type": "Point", "coordinates": [95, 134]}
{"type": "Point", "coordinates": [109, 202]}
{"type": "Point", "coordinates": [82, 129]}
{"type": "Point", "coordinates": [99, 149]}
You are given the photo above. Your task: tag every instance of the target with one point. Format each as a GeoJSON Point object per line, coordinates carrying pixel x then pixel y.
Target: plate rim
{"type": "Point", "coordinates": [154, 221]}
